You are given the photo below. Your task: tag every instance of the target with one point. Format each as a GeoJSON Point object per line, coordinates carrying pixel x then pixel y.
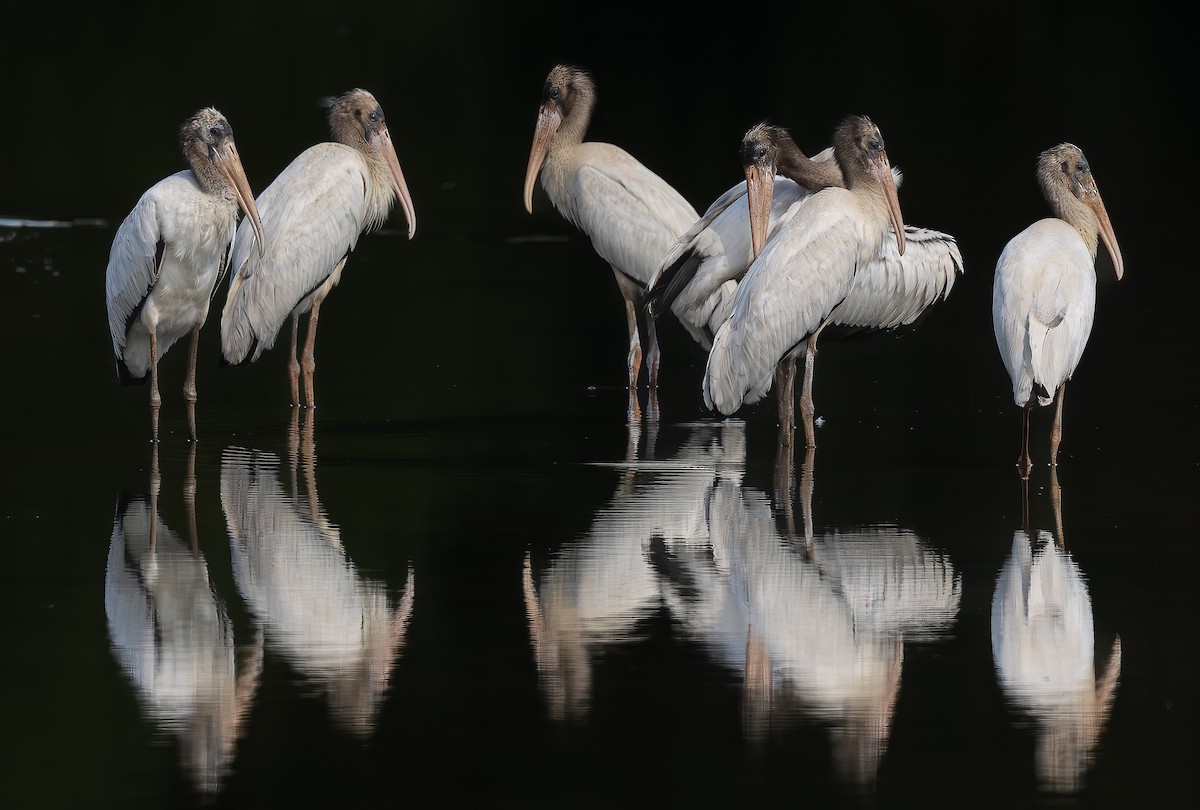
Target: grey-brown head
{"type": "Point", "coordinates": [567, 99]}
{"type": "Point", "coordinates": [860, 152]}
{"type": "Point", "coordinates": [206, 141]}
{"type": "Point", "coordinates": [356, 120]}
{"type": "Point", "coordinates": [1065, 167]}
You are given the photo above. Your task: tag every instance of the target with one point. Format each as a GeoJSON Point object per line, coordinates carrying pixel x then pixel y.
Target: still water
{"type": "Point", "coordinates": [469, 577]}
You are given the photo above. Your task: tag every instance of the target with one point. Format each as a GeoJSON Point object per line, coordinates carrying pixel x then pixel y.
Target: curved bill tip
{"type": "Point", "coordinates": [229, 164]}
{"type": "Point", "coordinates": [1109, 237]}
{"type": "Point", "coordinates": [383, 142]}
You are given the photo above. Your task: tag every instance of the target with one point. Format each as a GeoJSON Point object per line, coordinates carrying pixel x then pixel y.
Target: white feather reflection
{"type": "Point", "coordinates": [814, 626]}
{"type": "Point", "coordinates": [173, 635]}
{"type": "Point", "coordinates": [827, 618]}
{"type": "Point", "coordinates": [601, 586]}
{"type": "Point", "coordinates": [333, 625]}
{"type": "Point", "coordinates": [1043, 647]}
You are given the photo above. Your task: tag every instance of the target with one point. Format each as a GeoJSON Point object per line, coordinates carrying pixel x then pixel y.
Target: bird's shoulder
{"type": "Point", "coordinates": [314, 172]}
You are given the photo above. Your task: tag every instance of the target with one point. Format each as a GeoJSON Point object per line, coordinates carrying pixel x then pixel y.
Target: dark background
{"type": "Point", "coordinates": [966, 94]}
{"type": "Point", "coordinates": [462, 458]}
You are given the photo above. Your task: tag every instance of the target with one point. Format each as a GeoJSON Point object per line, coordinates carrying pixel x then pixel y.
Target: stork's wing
{"type": "Point", "coordinates": [312, 215]}
{"type": "Point", "coordinates": [136, 254]}
{"type": "Point", "coordinates": [632, 215]}
{"type": "Point", "coordinates": [897, 291]}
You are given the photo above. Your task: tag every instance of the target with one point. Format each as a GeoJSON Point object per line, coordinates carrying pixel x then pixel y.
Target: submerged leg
{"type": "Point", "coordinates": [807, 409]}
{"type": "Point", "coordinates": [653, 356]}
{"type": "Point", "coordinates": [1024, 462]}
{"type": "Point", "coordinates": [634, 360]}
{"type": "Point", "coordinates": [631, 319]}
{"type": "Point", "coordinates": [189, 383]}
{"type": "Point", "coordinates": [155, 398]}
{"type": "Point", "coordinates": [785, 392]}
{"type": "Point", "coordinates": [308, 361]}
{"type": "Point", "coordinates": [293, 363]}
{"type": "Point", "coordinates": [1056, 428]}
{"type": "Point", "coordinates": [653, 361]}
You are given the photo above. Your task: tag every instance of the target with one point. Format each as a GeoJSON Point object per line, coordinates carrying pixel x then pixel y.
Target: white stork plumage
{"type": "Point", "coordinates": [844, 260]}
{"type": "Point", "coordinates": [693, 280]}
{"type": "Point", "coordinates": [169, 253]}
{"type": "Point", "coordinates": [630, 214]}
{"type": "Point", "coordinates": [313, 214]}
{"type": "Point", "coordinates": [341, 629]}
{"type": "Point", "coordinates": [1044, 291]}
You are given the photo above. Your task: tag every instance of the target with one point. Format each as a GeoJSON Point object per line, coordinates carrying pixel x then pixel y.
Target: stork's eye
{"type": "Point", "coordinates": [215, 132]}
{"type": "Point", "coordinates": [555, 93]}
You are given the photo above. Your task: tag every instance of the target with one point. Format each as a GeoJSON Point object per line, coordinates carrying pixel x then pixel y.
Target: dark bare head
{"type": "Point", "coordinates": [768, 150]}
{"type": "Point", "coordinates": [206, 140]}
{"type": "Point", "coordinates": [356, 120]}
{"type": "Point", "coordinates": [1069, 187]}
{"type": "Point", "coordinates": [859, 150]}
{"type": "Point", "coordinates": [568, 97]}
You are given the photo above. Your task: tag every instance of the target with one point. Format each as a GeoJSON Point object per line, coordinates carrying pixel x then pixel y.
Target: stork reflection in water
{"type": "Point", "coordinates": [174, 636]}
{"type": "Point", "coordinates": [332, 624]}
{"type": "Point", "coordinates": [1043, 648]}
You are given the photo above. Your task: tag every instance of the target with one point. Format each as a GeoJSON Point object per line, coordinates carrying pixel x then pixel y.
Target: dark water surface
{"type": "Point", "coordinates": [469, 578]}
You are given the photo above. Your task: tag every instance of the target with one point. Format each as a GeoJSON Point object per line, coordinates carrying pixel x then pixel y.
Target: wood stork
{"type": "Point", "coordinates": [1044, 290]}
{"type": "Point", "coordinates": [693, 279]}
{"type": "Point", "coordinates": [314, 213]}
{"type": "Point", "coordinates": [630, 214]}
{"type": "Point", "coordinates": [169, 253]}
{"type": "Point", "coordinates": [697, 279]}
{"type": "Point", "coordinates": [832, 263]}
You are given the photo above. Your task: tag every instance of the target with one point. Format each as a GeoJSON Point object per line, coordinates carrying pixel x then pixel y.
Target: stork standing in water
{"type": "Point", "coordinates": [1044, 290]}
{"type": "Point", "coordinates": [170, 252]}
{"type": "Point", "coordinates": [889, 293]}
{"type": "Point", "coordinates": [839, 259]}
{"type": "Point", "coordinates": [313, 214]}
{"type": "Point", "coordinates": [631, 215]}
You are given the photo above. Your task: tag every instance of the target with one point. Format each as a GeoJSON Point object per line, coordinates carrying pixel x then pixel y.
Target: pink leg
{"type": "Point", "coordinates": [1056, 428]}
{"type": "Point", "coordinates": [155, 397]}
{"type": "Point", "coordinates": [308, 362]}
{"type": "Point", "coordinates": [293, 363]}
{"type": "Point", "coordinates": [1024, 462]}
{"type": "Point", "coordinates": [189, 383]}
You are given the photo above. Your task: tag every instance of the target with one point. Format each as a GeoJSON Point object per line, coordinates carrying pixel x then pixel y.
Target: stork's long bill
{"type": "Point", "coordinates": [881, 169]}
{"type": "Point", "coordinates": [381, 142]}
{"type": "Point", "coordinates": [760, 189]}
{"type": "Point", "coordinates": [549, 119]}
{"type": "Point", "coordinates": [229, 164]}
{"type": "Point", "coordinates": [1107, 236]}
